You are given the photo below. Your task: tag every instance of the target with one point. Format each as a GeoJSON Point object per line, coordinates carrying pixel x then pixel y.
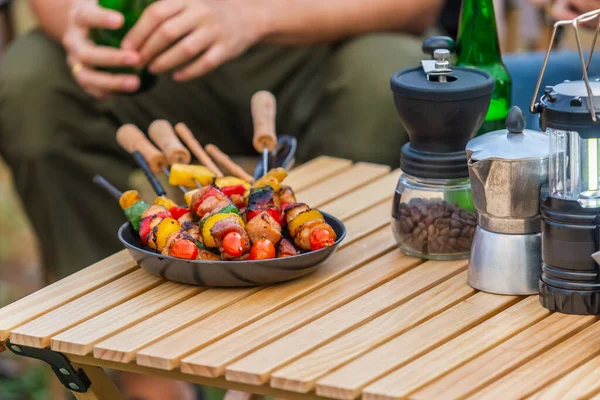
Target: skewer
{"type": "Point", "coordinates": [263, 107]}
{"type": "Point", "coordinates": [132, 139]}
{"type": "Point", "coordinates": [141, 162]}
{"type": "Point", "coordinates": [162, 133]}
{"type": "Point", "coordinates": [104, 184]}
{"type": "Point", "coordinates": [186, 135]}
{"type": "Point", "coordinates": [227, 162]}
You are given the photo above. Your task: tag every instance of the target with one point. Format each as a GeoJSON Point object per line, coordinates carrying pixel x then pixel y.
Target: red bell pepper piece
{"type": "Point", "coordinates": [178, 212]}
{"type": "Point", "coordinates": [272, 211]}
{"type": "Point", "coordinates": [231, 190]}
{"type": "Point", "coordinates": [145, 225]}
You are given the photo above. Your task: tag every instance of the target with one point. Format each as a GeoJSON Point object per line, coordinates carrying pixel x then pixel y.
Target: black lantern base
{"type": "Point", "coordinates": [570, 281]}
{"type": "Point", "coordinates": [579, 302]}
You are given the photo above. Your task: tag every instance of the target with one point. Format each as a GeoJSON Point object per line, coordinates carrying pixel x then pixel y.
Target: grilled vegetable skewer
{"type": "Point", "coordinates": [264, 222]}
{"type": "Point", "coordinates": [130, 201]}
{"type": "Point", "coordinates": [220, 222]}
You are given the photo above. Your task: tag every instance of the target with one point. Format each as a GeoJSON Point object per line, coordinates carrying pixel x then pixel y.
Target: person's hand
{"type": "Point", "coordinates": [83, 55]}
{"type": "Point", "coordinates": [203, 34]}
{"type": "Point", "coordinates": [569, 9]}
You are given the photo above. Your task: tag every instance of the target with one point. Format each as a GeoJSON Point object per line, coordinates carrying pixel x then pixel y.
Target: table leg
{"type": "Point", "coordinates": [102, 387]}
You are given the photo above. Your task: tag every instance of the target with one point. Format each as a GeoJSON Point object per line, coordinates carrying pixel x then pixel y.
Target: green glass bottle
{"type": "Point", "coordinates": [131, 10]}
{"type": "Point", "coordinates": [478, 46]}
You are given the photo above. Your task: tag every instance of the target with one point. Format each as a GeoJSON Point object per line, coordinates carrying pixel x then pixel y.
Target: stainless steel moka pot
{"type": "Point", "coordinates": [507, 169]}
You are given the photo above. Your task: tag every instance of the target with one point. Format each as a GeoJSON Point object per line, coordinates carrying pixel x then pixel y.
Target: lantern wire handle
{"type": "Point", "coordinates": [584, 65]}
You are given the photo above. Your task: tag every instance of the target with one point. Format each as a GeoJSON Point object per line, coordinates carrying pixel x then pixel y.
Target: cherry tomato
{"type": "Point", "coordinates": [262, 250]}
{"type": "Point", "coordinates": [145, 225]}
{"type": "Point", "coordinates": [178, 212]}
{"type": "Point", "coordinates": [231, 190]}
{"type": "Point", "coordinates": [320, 238]}
{"type": "Point", "coordinates": [232, 244]}
{"type": "Point", "coordinates": [184, 249]}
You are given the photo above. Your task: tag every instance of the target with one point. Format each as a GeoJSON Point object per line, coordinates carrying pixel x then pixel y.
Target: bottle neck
{"type": "Point", "coordinates": [477, 42]}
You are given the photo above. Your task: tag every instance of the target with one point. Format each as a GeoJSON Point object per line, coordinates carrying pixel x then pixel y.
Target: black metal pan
{"type": "Point", "coordinates": [229, 273]}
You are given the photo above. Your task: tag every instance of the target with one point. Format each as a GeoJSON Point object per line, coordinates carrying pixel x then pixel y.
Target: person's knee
{"type": "Point", "coordinates": [31, 74]}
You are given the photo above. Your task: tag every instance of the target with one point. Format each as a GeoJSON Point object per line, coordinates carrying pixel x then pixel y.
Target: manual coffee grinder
{"type": "Point", "coordinates": [570, 201]}
{"type": "Point", "coordinates": [507, 169]}
{"type": "Point", "coordinates": [441, 107]}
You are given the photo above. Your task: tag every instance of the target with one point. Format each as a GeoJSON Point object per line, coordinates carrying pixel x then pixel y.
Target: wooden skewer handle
{"type": "Point", "coordinates": [186, 135]}
{"type": "Point", "coordinates": [227, 162]}
{"type": "Point", "coordinates": [131, 139]}
{"type": "Point", "coordinates": [263, 106]}
{"type": "Point", "coordinates": [162, 133]}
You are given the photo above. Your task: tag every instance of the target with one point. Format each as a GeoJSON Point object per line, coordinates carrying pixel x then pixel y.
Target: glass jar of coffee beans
{"type": "Point", "coordinates": [434, 218]}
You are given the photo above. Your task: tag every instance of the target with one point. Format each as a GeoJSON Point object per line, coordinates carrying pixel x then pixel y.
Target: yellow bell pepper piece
{"type": "Point", "coordinates": [209, 241]}
{"type": "Point", "coordinates": [231, 181]}
{"type": "Point", "coordinates": [165, 202]}
{"type": "Point", "coordinates": [129, 198]}
{"type": "Point", "coordinates": [303, 217]}
{"type": "Point", "coordinates": [164, 229]}
{"type": "Point", "coordinates": [273, 178]}
{"type": "Point", "coordinates": [184, 175]}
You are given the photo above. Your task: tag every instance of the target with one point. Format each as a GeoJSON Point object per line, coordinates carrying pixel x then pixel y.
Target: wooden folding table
{"type": "Point", "coordinates": [370, 323]}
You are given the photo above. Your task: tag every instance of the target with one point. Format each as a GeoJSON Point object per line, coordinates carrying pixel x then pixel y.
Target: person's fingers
{"type": "Point", "coordinates": [187, 49]}
{"type": "Point", "coordinates": [152, 17]}
{"type": "Point", "coordinates": [76, 68]}
{"type": "Point", "coordinates": [168, 33]}
{"type": "Point", "coordinates": [213, 58]}
{"type": "Point", "coordinates": [89, 53]}
{"type": "Point", "coordinates": [90, 14]}
{"type": "Point", "coordinates": [103, 81]}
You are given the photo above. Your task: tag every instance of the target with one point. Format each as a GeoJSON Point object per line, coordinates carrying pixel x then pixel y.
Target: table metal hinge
{"type": "Point", "coordinates": [76, 381]}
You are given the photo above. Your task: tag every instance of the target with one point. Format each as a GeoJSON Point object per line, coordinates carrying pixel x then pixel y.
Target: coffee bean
{"type": "Point", "coordinates": [455, 224]}
{"type": "Point", "coordinates": [434, 226]}
{"type": "Point", "coordinates": [464, 243]}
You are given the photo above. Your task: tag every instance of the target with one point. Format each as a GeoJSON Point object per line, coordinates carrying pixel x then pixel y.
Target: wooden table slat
{"type": "Point", "coordinates": [81, 338]}
{"type": "Point", "coordinates": [67, 289]}
{"type": "Point", "coordinates": [123, 346]}
{"type": "Point", "coordinates": [267, 300]}
{"type": "Point", "coordinates": [367, 221]}
{"type": "Point", "coordinates": [582, 382]}
{"type": "Point", "coordinates": [547, 367]}
{"type": "Point", "coordinates": [301, 375]}
{"type": "Point", "coordinates": [38, 332]}
{"type": "Point", "coordinates": [335, 187]}
{"type": "Point", "coordinates": [507, 356]}
{"type": "Point", "coordinates": [400, 383]}
{"type": "Point", "coordinates": [328, 296]}
{"type": "Point", "coordinates": [317, 169]}
{"type": "Point", "coordinates": [347, 382]}
{"type": "Point", "coordinates": [363, 198]}
{"type": "Point", "coordinates": [256, 368]}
